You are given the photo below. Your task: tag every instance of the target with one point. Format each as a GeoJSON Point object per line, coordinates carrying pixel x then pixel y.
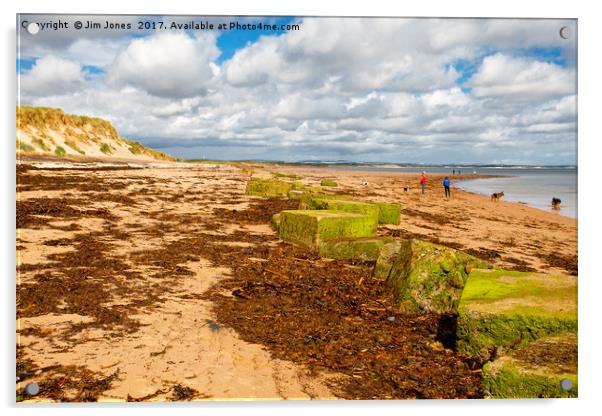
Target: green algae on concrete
{"type": "Point", "coordinates": [388, 213]}
{"type": "Point", "coordinates": [311, 202]}
{"type": "Point", "coordinates": [356, 207]}
{"type": "Point", "coordinates": [503, 310]}
{"type": "Point", "coordinates": [295, 194]}
{"type": "Point", "coordinates": [535, 370]}
{"type": "Point", "coordinates": [385, 213]}
{"type": "Point", "coordinates": [312, 199]}
{"type": "Point", "coordinates": [328, 182]}
{"type": "Point", "coordinates": [428, 277]}
{"type": "Point", "coordinates": [286, 175]}
{"type": "Point", "coordinates": [276, 221]}
{"type": "Point", "coordinates": [268, 188]}
{"type": "Point", "coordinates": [309, 194]}
{"type": "Point", "coordinates": [309, 228]}
{"type": "Point", "coordinates": [362, 249]}
{"type": "Point", "coordinates": [386, 258]}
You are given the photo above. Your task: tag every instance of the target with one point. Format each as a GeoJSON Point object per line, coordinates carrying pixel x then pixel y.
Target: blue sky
{"type": "Point", "coordinates": [231, 41]}
{"type": "Point", "coordinates": [414, 90]}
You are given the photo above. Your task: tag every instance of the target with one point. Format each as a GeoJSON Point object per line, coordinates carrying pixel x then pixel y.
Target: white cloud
{"type": "Point", "coordinates": [51, 75]}
{"type": "Point", "coordinates": [167, 65]}
{"type": "Point", "coordinates": [452, 98]}
{"type": "Point", "coordinates": [501, 75]}
{"type": "Point", "coordinates": [301, 107]}
{"type": "Point", "coordinates": [373, 89]}
{"type": "Point", "coordinates": [361, 54]}
{"type": "Point", "coordinates": [254, 64]}
{"type": "Point", "coordinates": [95, 52]}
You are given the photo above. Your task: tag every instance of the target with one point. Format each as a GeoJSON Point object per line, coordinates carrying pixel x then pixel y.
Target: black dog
{"type": "Point", "coordinates": [556, 203]}
{"type": "Point", "coordinates": [497, 196]}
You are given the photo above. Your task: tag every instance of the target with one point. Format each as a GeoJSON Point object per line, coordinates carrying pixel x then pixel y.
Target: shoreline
{"type": "Point", "coordinates": [468, 177]}
{"type": "Point", "coordinates": [568, 211]}
{"type": "Point", "coordinates": [521, 203]}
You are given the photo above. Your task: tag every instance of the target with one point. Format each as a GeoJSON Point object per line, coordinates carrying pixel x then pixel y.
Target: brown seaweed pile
{"type": "Point", "coordinates": [331, 315]}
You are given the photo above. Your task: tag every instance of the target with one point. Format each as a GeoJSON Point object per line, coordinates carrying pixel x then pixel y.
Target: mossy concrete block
{"type": "Point", "coordinates": [356, 207]}
{"type": "Point", "coordinates": [328, 182]}
{"type": "Point", "coordinates": [317, 200]}
{"type": "Point", "coordinates": [384, 212]}
{"type": "Point", "coordinates": [310, 228]}
{"type": "Point", "coordinates": [535, 370]}
{"type": "Point", "coordinates": [309, 194]}
{"type": "Point", "coordinates": [363, 249]}
{"type": "Point", "coordinates": [295, 194]}
{"type": "Point", "coordinates": [268, 188]}
{"type": "Point", "coordinates": [315, 190]}
{"type": "Point", "coordinates": [428, 277]}
{"type": "Point", "coordinates": [501, 310]}
{"type": "Point", "coordinates": [386, 258]}
{"type": "Point", "coordinates": [388, 213]}
{"type": "Point", "coordinates": [311, 202]}
{"type": "Point", "coordinates": [276, 221]}
{"type": "Point", "coordinates": [286, 175]}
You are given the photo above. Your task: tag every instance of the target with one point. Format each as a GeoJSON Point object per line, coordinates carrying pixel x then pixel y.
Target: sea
{"type": "Point", "coordinates": [532, 186]}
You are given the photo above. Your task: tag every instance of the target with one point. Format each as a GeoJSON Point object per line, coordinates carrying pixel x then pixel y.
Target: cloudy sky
{"type": "Point", "coordinates": [356, 89]}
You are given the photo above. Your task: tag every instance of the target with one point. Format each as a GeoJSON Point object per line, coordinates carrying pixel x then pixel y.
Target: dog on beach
{"type": "Point", "coordinates": [365, 183]}
{"type": "Point", "coordinates": [496, 196]}
{"type": "Point", "coordinates": [406, 188]}
{"type": "Point", "coordinates": [556, 203]}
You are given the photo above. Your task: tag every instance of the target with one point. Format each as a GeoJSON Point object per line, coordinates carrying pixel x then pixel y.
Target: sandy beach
{"type": "Point", "coordinates": [131, 282]}
{"type": "Point", "coordinates": [512, 235]}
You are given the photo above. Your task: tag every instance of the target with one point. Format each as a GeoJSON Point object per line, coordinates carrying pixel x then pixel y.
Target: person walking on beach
{"type": "Point", "coordinates": [423, 181]}
{"type": "Point", "coordinates": [446, 186]}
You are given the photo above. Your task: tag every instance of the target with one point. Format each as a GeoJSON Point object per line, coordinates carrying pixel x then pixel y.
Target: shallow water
{"type": "Point", "coordinates": [533, 186]}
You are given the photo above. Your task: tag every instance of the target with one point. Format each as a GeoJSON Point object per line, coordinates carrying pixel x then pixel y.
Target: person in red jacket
{"type": "Point", "coordinates": [423, 181]}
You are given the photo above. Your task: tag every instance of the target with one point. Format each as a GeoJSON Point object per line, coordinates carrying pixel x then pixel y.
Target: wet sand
{"type": "Point", "coordinates": [115, 267]}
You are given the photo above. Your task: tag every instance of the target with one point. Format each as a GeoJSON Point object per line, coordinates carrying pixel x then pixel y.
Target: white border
{"type": "Point", "coordinates": [590, 187]}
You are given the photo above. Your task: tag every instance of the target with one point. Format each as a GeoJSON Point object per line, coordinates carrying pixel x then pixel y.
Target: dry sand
{"type": "Point", "coordinates": [148, 329]}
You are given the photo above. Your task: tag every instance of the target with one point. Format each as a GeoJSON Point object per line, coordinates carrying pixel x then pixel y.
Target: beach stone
{"type": "Point", "coordinates": [388, 213]}
{"type": "Point", "coordinates": [32, 389]}
{"type": "Point", "coordinates": [385, 260]}
{"type": "Point", "coordinates": [428, 277]}
{"type": "Point", "coordinates": [362, 249]}
{"type": "Point", "coordinates": [328, 182]}
{"type": "Point", "coordinates": [502, 310]}
{"type": "Point", "coordinates": [309, 228]}
{"type": "Point", "coordinates": [537, 370]}
{"type": "Point", "coordinates": [268, 188]}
